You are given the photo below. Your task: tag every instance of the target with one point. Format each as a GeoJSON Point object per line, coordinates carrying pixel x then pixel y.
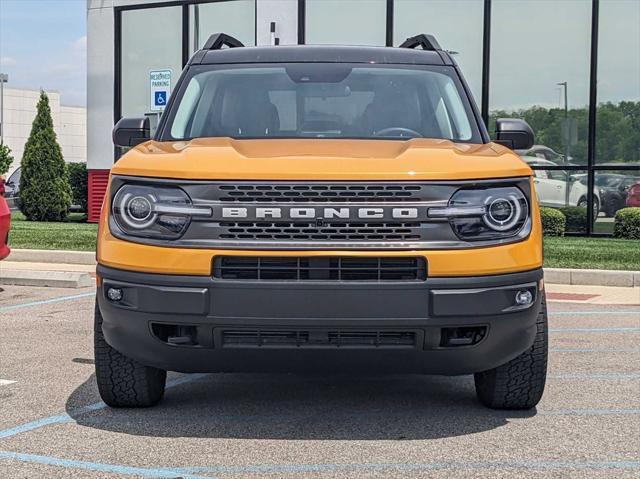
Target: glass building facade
{"type": "Point", "coordinates": [571, 68]}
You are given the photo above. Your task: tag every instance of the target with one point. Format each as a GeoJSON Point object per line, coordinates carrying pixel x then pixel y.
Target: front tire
{"type": "Point", "coordinates": [518, 384]}
{"type": "Point", "coordinates": [122, 381]}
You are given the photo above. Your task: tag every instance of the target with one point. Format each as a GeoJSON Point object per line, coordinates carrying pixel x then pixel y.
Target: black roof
{"type": "Point", "coordinates": [322, 54]}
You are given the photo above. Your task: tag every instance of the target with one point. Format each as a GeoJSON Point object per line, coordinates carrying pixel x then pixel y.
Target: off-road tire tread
{"type": "Point", "coordinates": [518, 384]}
{"type": "Point", "coordinates": [122, 381]}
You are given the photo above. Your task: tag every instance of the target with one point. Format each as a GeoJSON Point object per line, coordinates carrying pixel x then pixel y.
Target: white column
{"type": "Point", "coordinates": [100, 81]}
{"type": "Point", "coordinates": [284, 13]}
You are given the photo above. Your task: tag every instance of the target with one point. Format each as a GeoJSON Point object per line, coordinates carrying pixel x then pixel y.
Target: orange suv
{"type": "Point", "coordinates": [321, 207]}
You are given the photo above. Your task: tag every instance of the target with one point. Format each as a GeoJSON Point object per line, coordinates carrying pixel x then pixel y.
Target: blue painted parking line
{"type": "Point", "coordinates": [99, 466]}
{"type": "Point", "coordinates": [30, 426]}
{"type": "Point", "coordinates": [196, 472]}
{"type": "Point", "coordinates": [594, 350]}
{"type": "Point", "coordinates": [602, 313]}
{"type": "Point", "coordinates": [67, 418]}
{"type": "Point", "coordinates": [600, 376]}
{"type": "Point", "coordinates": [594, 330]}
{"type": "Point", "coordinates": [47, 301]}
{"type": "Point", "coordinates": [435, 466]}
{"type": "Point", "coordinates": [590, 412]}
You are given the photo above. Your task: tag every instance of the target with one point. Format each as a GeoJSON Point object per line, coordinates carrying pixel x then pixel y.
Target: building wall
{"type": "Point", "coordinates": [567, 67]}
{"type": "Point", "coordinates": [69, 123]}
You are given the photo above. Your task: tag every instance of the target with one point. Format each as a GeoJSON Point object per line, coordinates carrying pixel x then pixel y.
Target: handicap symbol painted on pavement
{"type": "Point", "coordinates": [160, 98]}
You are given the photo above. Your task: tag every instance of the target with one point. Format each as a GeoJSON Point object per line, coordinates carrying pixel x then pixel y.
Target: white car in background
{"type": "Point", "coordinates": [551, 186]}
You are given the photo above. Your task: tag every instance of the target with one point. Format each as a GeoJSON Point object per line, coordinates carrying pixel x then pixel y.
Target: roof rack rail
{"type": "Point", "coordinates": [427, 42]}
{"type": "Point", "coordinates": [218, 40]}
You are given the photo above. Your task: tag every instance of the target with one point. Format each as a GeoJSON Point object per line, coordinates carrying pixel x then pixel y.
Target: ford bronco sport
{"type": "Point", "coordinates": [315, 207]}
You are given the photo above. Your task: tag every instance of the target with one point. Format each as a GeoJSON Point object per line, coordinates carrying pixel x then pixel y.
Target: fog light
{"type": "Point", "coordinates": [524, 298]}
{"type": "Point", "coordinates": [114, 294]}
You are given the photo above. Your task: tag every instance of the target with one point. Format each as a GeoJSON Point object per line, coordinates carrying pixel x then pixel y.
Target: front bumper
{"type": "Point", "coordinates": [318, 324]}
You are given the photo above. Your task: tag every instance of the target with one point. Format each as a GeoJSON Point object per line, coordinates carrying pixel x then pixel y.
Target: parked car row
{"type": "Point", "coordinates": [12, 189]}
{"type": "Point", "coordinates": [559, 188]}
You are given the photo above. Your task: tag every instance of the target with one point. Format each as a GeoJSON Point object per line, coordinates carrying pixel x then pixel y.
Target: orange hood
{"type": "Point", "coordinates": [320, 159]}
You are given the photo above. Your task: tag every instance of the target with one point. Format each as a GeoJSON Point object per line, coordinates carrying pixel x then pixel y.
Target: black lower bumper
{"type": "Point", "coordinates": [202, 324]}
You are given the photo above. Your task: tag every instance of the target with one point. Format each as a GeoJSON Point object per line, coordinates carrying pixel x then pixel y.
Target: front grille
{"type": "Point", "coordinates": [261, 338]}
{"type": "Point", "coordinates": [325, 268]}
{"type": "Point", "coordinates": [291, 193]}
{"type": "Point", "coordinates": [335, 231]}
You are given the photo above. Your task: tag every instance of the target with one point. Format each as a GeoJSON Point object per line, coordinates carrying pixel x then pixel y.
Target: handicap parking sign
{"type": "Point", "coordinates": [160, 98]}
{"type": "Point", "coordinates": [159, 88]}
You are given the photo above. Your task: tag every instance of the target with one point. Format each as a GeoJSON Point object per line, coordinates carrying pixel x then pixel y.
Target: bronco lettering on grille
{"type": "Point", "coordinates": [268, 212]}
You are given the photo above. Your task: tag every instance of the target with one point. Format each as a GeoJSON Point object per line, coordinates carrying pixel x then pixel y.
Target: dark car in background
{"type": "Point", "coordinates": [613, 189]}
{"type": "Point", "coordinates": [12, 189]}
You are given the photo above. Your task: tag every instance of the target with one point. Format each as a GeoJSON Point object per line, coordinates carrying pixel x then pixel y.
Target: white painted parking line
{"type": "Point", "coordinates": [6, 382]}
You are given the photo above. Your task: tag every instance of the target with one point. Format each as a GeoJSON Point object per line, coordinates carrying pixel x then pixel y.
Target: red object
{"type": "Point", "coordinates": [570, 296]}
{"type": "Point", "coordinates": [98, 180]}
{"type": "Point", "coordinates": [5, 223]}
{"type": "Point", "coordinates": [633, 196]}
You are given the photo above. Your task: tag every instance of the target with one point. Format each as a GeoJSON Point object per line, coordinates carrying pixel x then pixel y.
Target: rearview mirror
{"type": "Point", "coordinates": [514, 133]}
{"type": "Point", "coordinates": [131, 131]}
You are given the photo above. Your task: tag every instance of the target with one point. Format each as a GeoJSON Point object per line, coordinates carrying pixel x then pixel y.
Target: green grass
{"type": "Point", "coordinates": [73, 234]}
{"type": "Point", "coordinates": [567, 252]}
{"type": "Point", "coordinates": [591, 253]}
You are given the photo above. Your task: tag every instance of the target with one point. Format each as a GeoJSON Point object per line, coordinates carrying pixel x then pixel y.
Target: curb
{"type": "Point", "coordinates": [53, 256]}
{"type": "Point", "coordinates": [54, 279]}
{"type": "Point", "coordinates": [592, 277]}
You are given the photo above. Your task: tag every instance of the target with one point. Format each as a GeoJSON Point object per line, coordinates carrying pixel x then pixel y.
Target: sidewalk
{"type": "Point", "coordinates": [33, 266]}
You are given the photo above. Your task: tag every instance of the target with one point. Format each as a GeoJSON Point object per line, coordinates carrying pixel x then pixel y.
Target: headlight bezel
{"type": "Point", "coordinates": [469, 213]}
{"type": "Point", "coordinates": [170, 213]}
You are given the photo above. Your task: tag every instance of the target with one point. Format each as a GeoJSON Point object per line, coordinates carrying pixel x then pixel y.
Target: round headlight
{"type": "Point", "coordinates": [139, 208]}
{"type": "Point", "coordinates": [136, 210]}
{"type": "Point", "coordinates": [502, 213]}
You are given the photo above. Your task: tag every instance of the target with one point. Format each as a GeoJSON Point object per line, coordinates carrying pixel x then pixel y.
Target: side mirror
{"type": "Point", "coordinates": [514, 133]}
{"type": "Point", "coordinates": [131, 131]}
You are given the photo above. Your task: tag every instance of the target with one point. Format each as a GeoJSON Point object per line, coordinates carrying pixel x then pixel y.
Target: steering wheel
{"type": "Point", "coordinates": [400, 130]}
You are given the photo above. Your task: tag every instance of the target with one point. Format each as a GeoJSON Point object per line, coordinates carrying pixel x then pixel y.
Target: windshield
{"type": "Point", "coordinates": [321, 100]}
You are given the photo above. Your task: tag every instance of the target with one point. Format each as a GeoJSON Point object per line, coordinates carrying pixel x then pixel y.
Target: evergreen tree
{"type": "Point", "coordinates": [45, 194]}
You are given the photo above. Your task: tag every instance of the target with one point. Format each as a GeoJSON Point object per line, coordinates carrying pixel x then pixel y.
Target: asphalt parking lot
{"type": "Point", "coordinates": [52, 423]}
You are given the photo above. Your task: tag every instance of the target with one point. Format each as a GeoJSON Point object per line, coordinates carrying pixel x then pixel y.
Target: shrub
{"type": "Point", "coordinates": [45, 194]}
{"type": "Point", "coordinates": [5, 159]}
{"type": "Point", "coordinates": [627, 223]}
{"type": "Point", "coordinates": [553, 222]}
{"type": "Point", "coordinates": [576, 218]}
{"type": "Point", "coordinates": [79, 182]}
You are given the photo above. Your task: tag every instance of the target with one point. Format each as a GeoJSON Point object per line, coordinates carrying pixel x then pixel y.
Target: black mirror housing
{"type": "Point", "coordinates": [130, 132]}
{"type": "Point", "coordinates": [514, 133]}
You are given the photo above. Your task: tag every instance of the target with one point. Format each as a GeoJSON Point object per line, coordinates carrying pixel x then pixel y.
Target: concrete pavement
{"type": "Point", "coordinates": [288, 426]}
